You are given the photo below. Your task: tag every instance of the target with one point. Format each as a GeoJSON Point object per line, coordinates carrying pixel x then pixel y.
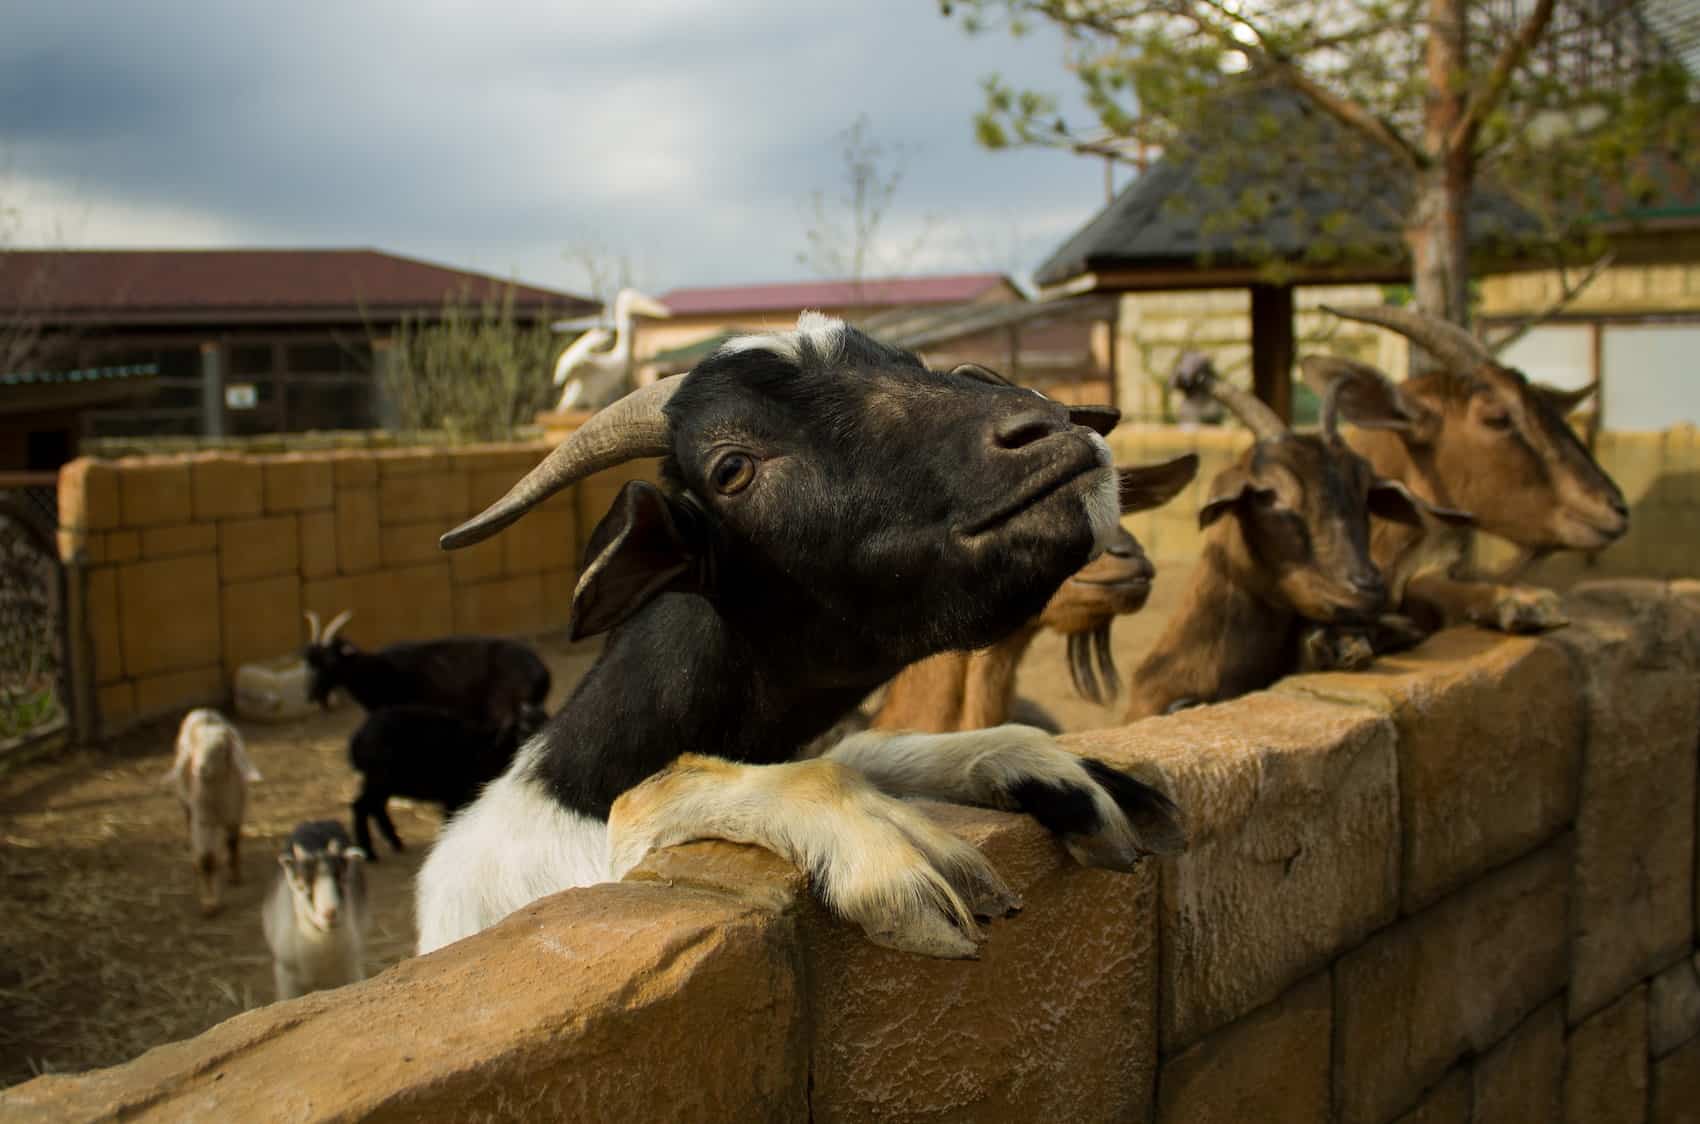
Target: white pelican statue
{"type": "Point", "coordinates": [595, 371]}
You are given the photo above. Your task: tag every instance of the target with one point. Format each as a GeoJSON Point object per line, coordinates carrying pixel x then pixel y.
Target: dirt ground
{"type": "Point", "coordinates": [103, 951]}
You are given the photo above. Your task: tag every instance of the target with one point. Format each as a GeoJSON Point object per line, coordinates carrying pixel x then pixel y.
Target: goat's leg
{"type": "Point", "coordinates": [907, 882]}
{"type": "Point", "coordinates": [1103, 816]}
{"type": "Point", "coordinates": [1507, 608]}
{"type": "Point", "coordinates": [382, 813]}
{"type": "Point", "coordinates": [360, 813]}
{"type": "Point", "coordinates": [233, 851]}
{"type": "Point", "coordinates": [206, 880]}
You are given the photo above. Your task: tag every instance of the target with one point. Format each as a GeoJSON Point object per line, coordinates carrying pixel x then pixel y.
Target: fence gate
{"type": "Point", "coordinates": [35, 700]}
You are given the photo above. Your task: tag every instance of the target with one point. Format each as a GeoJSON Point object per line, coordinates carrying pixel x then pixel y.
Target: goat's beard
{"type": "Point", "coordinates": [1103, 507]}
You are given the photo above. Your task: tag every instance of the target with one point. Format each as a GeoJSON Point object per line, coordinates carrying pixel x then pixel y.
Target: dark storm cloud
{"type": "Point", "coordinates": [687, 134]}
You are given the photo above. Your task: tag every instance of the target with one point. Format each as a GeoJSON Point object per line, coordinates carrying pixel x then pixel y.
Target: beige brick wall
{"type": "Point", "coordinates": [1397, 906]}
{"type": "Point", "coordinates": [189, 565]}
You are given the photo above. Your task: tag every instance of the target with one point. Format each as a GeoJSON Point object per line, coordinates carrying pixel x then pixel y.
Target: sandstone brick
{"type": "Point", "coordinates": [1271, 1066]}
{"type": "Point", "coordinates": [1413, 999]}
{"type": "Point", "coordinates": [88, 495]}
{"type": "Point", "coordinates": [439, 497]}
{"type": "Point", "coordinates": [169, 616]}
{"type": "Point", "coordinates": [543, 540]}
{"type": "Point", "coordinates": [357, 545]}
{"type": "Point", "coordinates": [298, 482]}
{"type": "Point", "coordinates": [486, 486]}
{"type": "Point", "coordinates": [178, 690]}
{"type": "Point", "coordinates": [409, 543]}
{"type": "Point", "coordinates": [330, 596]}
{"type": "Point", "coordinates": [116, 705]}
{"type": "Point", "coordinates": [1489, 748]}
{"type": "Point", "coordinates": [1605, 1077]}
{"type": "Point", "coordinates": [1635, 876]}
{"type": "Point", "coordinates": [557, 598]}
{"type": "Point", "coordinates": [1446, 1103]}
{"type": "Point", "coordinates": [122, 546]}
{"type": "Point", "coordinates": [225, 486]}
{"type": "Point", "coordinates": [506, 606]}
{"type": "Point", "coordinates": [414, 603]}
{"type": "Point", "coordinates": [478, 562]}
{"type": "Point", "coordinates": [152, 492]}
{"type": "Point", "coordinates": [101, 609]}
{"type": "Point", "coordinates": [74, 546]}
{"type": "Point", "coordinates": [262, 619]}
{"type": "Point", "coordinates": [1676, 1087]}
{"type": "Point", "coordinates": [1673, 1006]}
{"type": "Point", "coordinates": [258, 548]}
{"type": "Point", "coordinates": [188, 538]}
{"type": "Point", "coordinates": [318, 544]}
{"type": "Point", "coordinates": [1521, 1079]}
{"type": "Point", "coordinates": [1292, 817]}
{"type": "Point", "coordinates": [354, 470]}
{"type": "Point", "coordinates": [408, 462]}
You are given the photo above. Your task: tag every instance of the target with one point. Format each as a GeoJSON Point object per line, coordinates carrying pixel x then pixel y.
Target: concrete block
{"type": "Point", "coordinates": [115, 703]}
{"type": "Point", "coordinates": [153, 491]}
{"type": "Point", "coordinates": [1291, 812]}
{"type": "Point", "coordinates": [262, 619]}
{"type": "Point", "coordinates": [1605, 1077]}
{"type": "Point", "coordinates": [1453, 979]}
{"type": "Point", "coordinates": [169, 618]}
{"type": "Point", "coordinates": [440, 497]}
{"type": "Point", "coordinates": [1446, 1103]}
{"type": "Point", "coordinates": [318, 544]}
{"type": "Point", "coordinates": [88, 495]}
{"type": "Point", "coordinates": [74, 546]}
{"type": "Point", "coordinates": [224, 486]}
{"type": "Point", "coordinates": [503, 607]}
{"type": "Point", "coordinates": [258, 548]}
{"type": "Point", "coordinates": [406, 544]}
{"type": "Point", "coordinates": [179, 690]}
{"type": "Point", "coordinates": [414, 603]}
{"type": "Point", "coordinates": [354, 470]}
{"type": "Point", "coordinates": [330, 596]}
{"type": "Point", "coordinates": [408, 462]}
{"type": "Point", "coordinates": [357, 543]}
{"type": "Point", "coordinates": [543, 540]}
{"type": "Point", "coordinates": [557, 598]}
{"type": "Point", "coordinates": [1673, 1006]}
{"type": "Point", "coordinates": [187, 538]}
{"type": "Point", "coordinates": [102, 611]}
{"type": "Point", "coordinates": [1271, 1066]}
{"type": "Point", "coordinates": [478, 562]}
{"type": "Point", "coordinates": [1521, 1079]}
{"type": "Point", "coordinates": [1676, 1087]}
{"type": "Point", "coordinates": [121, 546]}
{"type": "Point", "coordinates": [298, 482]}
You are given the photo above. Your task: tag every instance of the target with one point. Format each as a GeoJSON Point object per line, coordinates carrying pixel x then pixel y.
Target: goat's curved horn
{"type": "Point", "coordinates": [336, 624]}
{"type": "Point", "coordinates": [631, 428]}
{"type": "Point", "coordinates": [1195, 374]}
{"type": "Point", "coordinates": [1447, 342]}
{"type": "Point", "coordinates": [1331, 409]}
{"type": "Point", "coordinates": [312, 626]}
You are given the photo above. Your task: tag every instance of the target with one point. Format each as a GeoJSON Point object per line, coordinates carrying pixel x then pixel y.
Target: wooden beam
{"type": "Point", "coordinates": [1272, 347]}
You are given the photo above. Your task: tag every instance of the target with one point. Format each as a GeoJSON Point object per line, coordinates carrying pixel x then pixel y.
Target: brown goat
{"type": "Point", "coordinates": [1286, 542]}
{"type": "Point", "coordinates": [975, 690]}
{"type": "Point", "coordinates": [1478, 436]}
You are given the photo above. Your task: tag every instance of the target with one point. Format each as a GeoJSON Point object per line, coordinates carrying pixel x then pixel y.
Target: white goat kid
{"type": "Point", "coordinates": [316, 916]}
{"type": "Point", "coordinates": [211, 774]}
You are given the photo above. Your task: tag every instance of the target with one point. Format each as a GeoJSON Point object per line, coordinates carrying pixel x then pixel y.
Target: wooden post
{"type": "Point", "coordinates": [1272, 347]}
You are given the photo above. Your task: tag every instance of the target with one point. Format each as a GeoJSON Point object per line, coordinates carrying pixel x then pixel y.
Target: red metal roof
{"type": "Point", "coordinates": [883, 292]}
{"type": "Point", "coordinates": [203, 284]}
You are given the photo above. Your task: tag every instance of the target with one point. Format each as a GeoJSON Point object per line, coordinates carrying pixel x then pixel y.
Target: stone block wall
{"type": "Point", "coordinates": [183, 567]}
{"type": "Point", "coordinates": [1458, 888]}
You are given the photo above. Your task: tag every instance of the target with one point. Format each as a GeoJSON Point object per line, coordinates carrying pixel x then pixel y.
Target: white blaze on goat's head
{"type": "Point", "coordinates": [321, 883]}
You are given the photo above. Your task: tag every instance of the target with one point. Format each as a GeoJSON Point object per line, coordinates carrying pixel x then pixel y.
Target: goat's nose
{"type": "Point", "coordinates": [1368, 583]}
{"type": "Point", "coordinates": [1619, 506]}
{"type": "Point", "coordinates": [1014, 431]}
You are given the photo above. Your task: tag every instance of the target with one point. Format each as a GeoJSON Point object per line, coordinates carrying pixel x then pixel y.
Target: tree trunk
{"type": "Point", "coordinates": [1436, 234]}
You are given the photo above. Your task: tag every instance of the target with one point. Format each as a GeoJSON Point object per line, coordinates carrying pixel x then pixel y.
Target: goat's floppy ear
{"type": "Point", "coordinates": [1099, 419]}
{"type": "Point", "coordinates": [1564, 401]}
{"type": "Point", "coordinates": [1231, 486]}
{"type": "Point", "coordinates": [635, 553]}
{"type": "Point", "coordinates": [1391, 500]}
{"type": "Point", "coordinates": [1147, 486]}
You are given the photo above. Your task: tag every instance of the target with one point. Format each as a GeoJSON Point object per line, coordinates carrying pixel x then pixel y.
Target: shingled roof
{"type": "Point", "coordinates": [872, 293]}
{"type": "Point", "coordinates": [129, 286]}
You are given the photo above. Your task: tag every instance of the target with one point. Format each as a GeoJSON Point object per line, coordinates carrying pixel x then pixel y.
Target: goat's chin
{"type": "Point", "coordinates": [1102, 500]}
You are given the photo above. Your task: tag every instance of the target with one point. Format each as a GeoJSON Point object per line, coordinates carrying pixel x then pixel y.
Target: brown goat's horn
{"type": "Point", "coordinates": [336, 624]}
{"type": "Point", "coordinates": [312, 626]}
{"type": "Point", "coordinates": [1195, 374]}
{"type": "Point", "coordinates": [1447, 342]}
{"type": "Point", "coordinates": [631, 428]}
{"type": "Point", "coordinates": [1331, 411]}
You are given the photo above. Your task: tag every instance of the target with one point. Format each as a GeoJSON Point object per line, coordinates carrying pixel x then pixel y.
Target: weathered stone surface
{"type": "Point", "coordinates": [414, 603]}
{"type": "Point", "coordinates": [225, 486]}
{"type": "Point", "coordinates": [543, 540]}
{"type": "Point", "coordinates": [616, 1002]}
{"type": "Point", "coordinates": [297, 482]}
{"type": "Point", "coordinates": [168, 613]}
{"type": "Point", "coordinates": [1673, 1006]}
{"type": "Point", "coordinates": [153, 491]}
{"type": "Point", "coordinates": [1489, 744]}
{"type": "Point", "coordinates": [1635, 875]}
{"type": "Point", "coordinates": [1676, 1087]}
{"type": "Point", "coordinates": [101, 611]}
{"type": "Point", "coordinates": [88, 495]}
{"type": "Point", "coordinates": [177, 690]}
{"type": "Point", "coordinates": [1521, 1079]}
{"type": "Point", "coordinates": [258, 548]}
{"type": "Point", "coordinates": [318, 544]}
{"type": "Point", "coordinates": [406, 544]}
{"type": "Point", "coordinates": [185, 538]}
{"type": "Point", "coordinates": [354, 470]}
{"type": "Point", "coordinates": [1454, 978]}
{"type": "Point", "coordinates": [262, 619]}
{"type": "Point", "coordinates": [116, 705]}
{"type": "Point", "coordinates": [899, 1037]}
{"type": "Point", "coordinates": [357, 530]}
{"type": "Point", "coordinates": [1605, 1076]}
{"type": "Point", "coordinates": [1272, 1066]}
{"type": "Point", "coordinates": [1292, 816]}
{"type": "Point", "coordinates": [1446, 1103]}
{"type": "Point", "coordinates": [506, 606]}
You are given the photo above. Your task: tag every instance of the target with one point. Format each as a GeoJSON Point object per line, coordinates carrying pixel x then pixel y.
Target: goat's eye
{"type": "Point", "coordinates": [1497, 419]}
{"type": "Point", "coordinates": [732, 473]}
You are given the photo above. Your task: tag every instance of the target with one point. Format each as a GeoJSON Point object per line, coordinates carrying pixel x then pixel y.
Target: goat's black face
{"type": "Point", "coordinates": [839, 482]}
{"type": "Point", "coordinates": [325, 662]}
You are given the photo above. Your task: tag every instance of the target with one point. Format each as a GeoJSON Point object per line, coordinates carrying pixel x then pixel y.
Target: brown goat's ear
{"type": "Point", "coordinates": [1228, 490]}
{"type": "Point", "coordinates": [1564, 401]}
{"type": "Point", "coordinates": [1146, 486]}
{"type": "Point", "coordinates": [1099, 419]}
{"type": "Point", "coordinates": [1391, 500]}
{"type": "Point", "coordinates": [635, 553]}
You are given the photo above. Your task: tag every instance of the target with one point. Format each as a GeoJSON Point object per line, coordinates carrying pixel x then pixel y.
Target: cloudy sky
{"type": "Point", "coordinates": [510, 137]}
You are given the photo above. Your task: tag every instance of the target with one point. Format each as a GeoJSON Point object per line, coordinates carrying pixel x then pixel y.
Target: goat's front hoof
{"type": "Point", "coordinates": [1527, 610]}
{"type": "Point", "coordinates": [927, 933]}
{"type": "Point", "coordinates": [1136, 821]}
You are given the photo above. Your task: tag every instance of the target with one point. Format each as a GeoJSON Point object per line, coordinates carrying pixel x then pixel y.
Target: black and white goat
{"type": "Point", "coordinates": [426, 753]}
{"type": "Point", "coordinates": [316, 916]}
{"type": "Point", "coordinates": [483, 678]}
{"type": "Point", "coordinates": [832, 511]}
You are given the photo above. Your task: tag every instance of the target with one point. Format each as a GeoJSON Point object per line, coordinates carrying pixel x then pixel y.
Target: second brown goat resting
{"type": "Point", "coordinates": [1286, 544]}
{"type": "Point", "coordinates": [975, 690]}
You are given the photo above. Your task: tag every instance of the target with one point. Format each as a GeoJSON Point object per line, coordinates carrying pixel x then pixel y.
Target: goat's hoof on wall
{"type": "Point", "coordinates": [1528, 610]}
{"type": "Point", "coordinates": [925, 931]}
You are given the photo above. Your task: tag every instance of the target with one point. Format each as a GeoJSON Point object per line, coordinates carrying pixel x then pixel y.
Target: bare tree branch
{"type": "Point", "coordinates": [1485, 97]}
{"type": "Point", "coordinates": [1566, 297]}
